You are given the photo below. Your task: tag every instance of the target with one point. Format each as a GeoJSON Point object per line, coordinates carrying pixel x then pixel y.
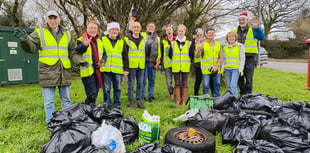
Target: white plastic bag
{"type": "Point", "coordinates": [107, 135]}
{"type": "Point", "coordinates": [186, 115]}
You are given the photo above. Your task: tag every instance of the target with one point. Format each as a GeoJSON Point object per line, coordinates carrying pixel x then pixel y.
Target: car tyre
{"type": "Point", "coordinates": [203, 141]}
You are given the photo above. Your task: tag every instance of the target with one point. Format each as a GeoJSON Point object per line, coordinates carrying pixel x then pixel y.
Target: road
{"type": "Point", "coordinates": [298, 67]}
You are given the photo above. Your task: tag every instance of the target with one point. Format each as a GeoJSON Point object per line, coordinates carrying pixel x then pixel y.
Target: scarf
{"type": "Point", "coordinates": [96, 59]}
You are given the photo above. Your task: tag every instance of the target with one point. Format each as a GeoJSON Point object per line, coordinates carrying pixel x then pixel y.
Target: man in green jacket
{"type": "Point", "coordinates": [55, 47]}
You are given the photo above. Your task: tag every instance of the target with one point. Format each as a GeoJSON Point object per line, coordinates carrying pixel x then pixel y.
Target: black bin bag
{"type": "Point", "coordinates": [104, 112]}
{"type": "Point", "coordinates": [257, 146]}
{"type": "Point", "coordinates": [154, 148]}
{"type": "Point", "coordinates": [258, 101]}
{"type": "Point", "coordinates": [224, 101]}
{"type": "Point", "coordinates": [296, 114]}
{"type": "Point", "coordinates": [241, 127]}
{"type": "Point", "coordinates": [211, 120]}
{"type": "Point", "coordinates": [288, 138]}
{"type": "Point", "coordinates": [94, 149]}
{"type": "Point", "coordinates": [129, 129]}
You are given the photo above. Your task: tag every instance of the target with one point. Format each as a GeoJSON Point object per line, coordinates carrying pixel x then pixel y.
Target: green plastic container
{"type": "Point", "coordinates": [204, 101]}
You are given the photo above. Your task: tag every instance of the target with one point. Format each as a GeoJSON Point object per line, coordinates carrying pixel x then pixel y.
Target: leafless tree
{"type": "Point", "coordinates": [276, 15]}
{"type": "Point", "coordinates": [13, 13]}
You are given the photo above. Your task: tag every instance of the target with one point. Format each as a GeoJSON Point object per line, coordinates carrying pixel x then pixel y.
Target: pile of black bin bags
{"type": "Point", "coordinates": [258, 123]}
{"type": "Point", "coordinates": [72, 128]}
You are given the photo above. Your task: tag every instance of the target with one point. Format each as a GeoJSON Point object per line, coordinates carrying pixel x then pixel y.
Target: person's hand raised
{"type": "Point", "coordinates": [86, 41]}
{"type": "Point", "coordinates": [255, 22]}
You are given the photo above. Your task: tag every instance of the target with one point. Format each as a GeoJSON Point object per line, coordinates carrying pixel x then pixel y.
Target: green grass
{"type": "Point", "coordinates": [22, 119]}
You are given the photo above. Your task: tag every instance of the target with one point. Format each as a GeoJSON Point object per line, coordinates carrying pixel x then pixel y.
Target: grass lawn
{"type": "Point", "coordinates": [22, 119]}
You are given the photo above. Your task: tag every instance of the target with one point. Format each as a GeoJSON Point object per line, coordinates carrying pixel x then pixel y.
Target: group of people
{"type": "Point", "coordinates": [105, 60]}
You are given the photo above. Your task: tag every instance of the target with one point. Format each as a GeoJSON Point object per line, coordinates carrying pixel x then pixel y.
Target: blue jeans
{"type": "Point", "coordinates": [49, 97]}
{"type": "Point", "coordinates": [133, 74]}
{"type": "Point", "coordinates": [91, 89]}
{"type": "Point", "coordinates": [216, 81]}
{"type": "Point", "coordinates": [232, 76]}
{"type": "Point", "coordinates": [116, 79]}
{"type": "Point", "coordinates": [168, 73]}
{"type": "Point", "coordinates": [149, 73]}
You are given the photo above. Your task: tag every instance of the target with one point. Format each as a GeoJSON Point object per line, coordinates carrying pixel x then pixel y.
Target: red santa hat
{"type": "Point", "coordinates": [244, 15]}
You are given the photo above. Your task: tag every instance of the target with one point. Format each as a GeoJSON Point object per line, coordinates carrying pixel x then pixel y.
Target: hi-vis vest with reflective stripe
{"type": "Point", "coordinates": [250, 44]}
{"type": "Point", "coordinates": [166, 58]}
{"type": "Point", "coordinates": [88, 56]}
{"type": "Point", "coordinates": [136, 55]}
{"type": "Point", "coordinates": [210, 57]}
{"type": "Point", "coordinates": [197, 59]}
{"type": "Point", "coordinates": [143, 34]}
{"type": "Point", "coordinates": [51, 51]}
{"type": "Point", "coordinates": [114, 61]}
{"type": "Point", "coordinates": [232, 58]}
{"type": "Point", "coordinates": [181, 61]}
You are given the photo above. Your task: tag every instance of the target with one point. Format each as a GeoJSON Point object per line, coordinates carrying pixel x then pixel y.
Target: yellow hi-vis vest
{"type": "Point", "coordinates": [197, 59]}
{"type": "Point", "coordinates": [250, 44]}
{"type": "Point", "coordinates": [181, 61]}
{"type": "Point", "coordinates": [136, 55]}
{"type": "Point", "coordinates": [88, 56]}
{"type": "Point", "coordinates": [51, 51]}
{"type": "Point", "coordinates": [143, 34]}
{"type": "Point", "coordinates": [210, 57]}
{"type": "Point", "coordinates": [166, 58]}
{"type": "Point", "coordinates": [114, 62]}
{"type": "Point", "coordinates": [232, 58]}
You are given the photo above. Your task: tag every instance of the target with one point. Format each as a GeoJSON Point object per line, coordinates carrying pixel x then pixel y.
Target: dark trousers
{"type": "Point", "coordinates": [91, 89]}
{"type": "Point", "coordinates": [180, 79]}
{"type": "Point", "coordinates": [245, 82]}
{"type": "Point", "coordinates": [198, 79]}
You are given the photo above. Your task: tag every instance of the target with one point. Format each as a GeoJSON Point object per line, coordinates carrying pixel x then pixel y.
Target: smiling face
{"type": "Point", "coordinates": [243, 22]}
{"type": "Point", "coordinates": [210, 34]}
{"type": "Point", "coordinates": [231, 39]}
{"type": "Point", "coordinates": [169, 31]}
{"type": "Point", "coordinates": [53, 22]}
{"type": "Point", "coordinates": [136, 28]}
{"type": "Point", "coordinates": [92, 29]}
{"type": "Point", "coordinates": [151, 27]}
{"type": "Point", "coordinates": [113, 33]}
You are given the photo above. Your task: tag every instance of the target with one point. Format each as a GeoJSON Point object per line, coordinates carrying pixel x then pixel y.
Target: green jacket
{"type": "Point", "coordinates": [55, 75]}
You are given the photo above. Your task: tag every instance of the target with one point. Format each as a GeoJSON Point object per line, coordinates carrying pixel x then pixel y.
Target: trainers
{"type": "Point", "coordinates": [132, 106]}
{"type": "Point", "coordinates": [151, 99]}
{"type": "Point", "coordinates": [140, 105]}
{"type": "Point", "coordinates": [144, 98]}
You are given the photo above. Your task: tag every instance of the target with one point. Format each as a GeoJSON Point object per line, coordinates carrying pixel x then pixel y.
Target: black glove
{"type": "Point", "coordinates": [84, 63]}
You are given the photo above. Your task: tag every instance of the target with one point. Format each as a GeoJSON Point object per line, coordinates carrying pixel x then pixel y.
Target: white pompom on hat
{"type": "Point", "coordinates": [244, 15]}
{"type": "Point", "coordinates": [113, 25]}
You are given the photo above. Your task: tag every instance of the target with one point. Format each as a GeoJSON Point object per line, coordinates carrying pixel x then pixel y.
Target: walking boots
{"type": "Point", "coordinates": [177, 92]}
{"type": "Point", "coordinates": [185, 96]}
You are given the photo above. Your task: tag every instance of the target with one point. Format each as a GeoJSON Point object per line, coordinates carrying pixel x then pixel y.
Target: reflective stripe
{"type": "Point", "coordinates": [249, 46]}
{"type": "Point", "coordinates": [84, 68]}
{"type": "Point", "coordinates": [115, 66]}
{"type": "Point", "coordinates": [140, 50]}
{"type": "Point", "coordinates": [42, 37]}
{"type": "Point", "coordinates": [235, 63]}
{"type": "Point", "coordinates": [54, 47]}
{"type": "Point", "coordinates": [178, 54]}
{"type": "Point", "coordinates": [87, 56]}
{"type": "Point", "coordinates": [68, 37]}
{"type": "Point", "coordinates": [166, 63]}
{"type": "Point", "coordinates": [208, 59]}
{"type": "Point", "coordinates": [206, 67]}
{"type": "Point", "coordinates": [115, 56]}
{"type": "Point", "coordinates": [231, 57]}
{"type": "Point", "coordinates": [135, 56]}
{"type": "Point", "coordinates": [55, 56]}
{"type": "Point", "coordinates": [181, 61]}
{"type": "Point", "coordinates": [250, 39]}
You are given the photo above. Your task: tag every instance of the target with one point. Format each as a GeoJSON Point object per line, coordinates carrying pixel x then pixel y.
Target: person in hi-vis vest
{"type": "Point", "coordinates": [181, 52]}
{"type": "Point", "coordinates": [56, 50]}
{"type": "Point", "coordinates": [199, 38]}
{"type": "Point", "coordinates": [211, 61]}
{"type": "Point", "coordinates": [247, 35]}
{"type": "Point", "coordinates": [234, 59]}
{"type": "Point", "coordinates": [135, 44]}
{"type": "Point", "coordinates": [166, 60]}
{"type": "Point", "coordinates": [90, 46]}
{"type": "Point", "coordinates": [116, 64]}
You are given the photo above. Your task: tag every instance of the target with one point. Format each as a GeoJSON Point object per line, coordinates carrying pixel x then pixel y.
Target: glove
{"type": "Point", "coordinates": [84, 63]}
{"type": "Point", "coordinates": [20, 34]}
{"type": "Point", "coordinates": [157, 64]}
{"type": "Point", "coordinates": [241, 73]}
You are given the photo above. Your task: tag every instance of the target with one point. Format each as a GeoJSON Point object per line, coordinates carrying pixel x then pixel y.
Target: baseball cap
{"type": "Point", "coordinates": [52, 13]}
